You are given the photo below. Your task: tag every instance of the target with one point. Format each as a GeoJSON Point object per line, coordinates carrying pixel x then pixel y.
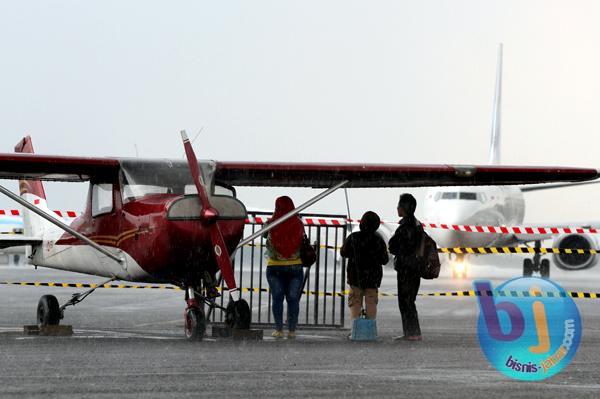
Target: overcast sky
{"type": "Point", "coordinates": [343, 81]}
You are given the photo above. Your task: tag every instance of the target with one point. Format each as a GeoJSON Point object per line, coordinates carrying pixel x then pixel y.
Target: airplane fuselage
{"type": "Point", "coordinates": [485, 205]}
{"type": "Point", "coordinates": [152, 223]}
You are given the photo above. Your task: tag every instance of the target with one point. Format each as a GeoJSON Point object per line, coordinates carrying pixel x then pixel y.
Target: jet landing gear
{"type": "Point", "coordinates": [536, 264]}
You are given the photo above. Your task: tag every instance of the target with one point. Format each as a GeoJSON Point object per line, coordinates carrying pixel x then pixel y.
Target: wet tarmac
{"type": "Point", "coordinates": [129, 343]}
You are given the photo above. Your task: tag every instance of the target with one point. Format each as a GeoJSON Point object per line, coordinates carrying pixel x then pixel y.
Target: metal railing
{"type": "Point", "coordinates": [322, 304]}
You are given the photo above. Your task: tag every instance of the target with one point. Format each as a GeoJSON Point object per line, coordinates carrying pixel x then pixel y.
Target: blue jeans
{"type": "Point", "coordinates": [285, 281]}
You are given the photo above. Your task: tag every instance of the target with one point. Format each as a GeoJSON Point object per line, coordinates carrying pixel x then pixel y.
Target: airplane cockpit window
{"type": "Point", "coordinates": [102, 199]}
{"type": "Point", "coordinates": [219, 189]}
{"type": "Point", "coordinates": [468, 196]}
{"type": "Point", "coordinates": [142, 177]}
{"type": "Point", "coordinates": [449, 195]}
{"type": "Point", "coordinates": [224, 190]}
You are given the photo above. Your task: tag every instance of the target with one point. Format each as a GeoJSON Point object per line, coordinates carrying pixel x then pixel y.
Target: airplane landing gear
{"type": "Point", "coordinates": [237, 314]}
{"type": "Point", "coordinates": [195, 321]}
{"type": "Point", "coordinates": [536, 264]}
{"type": "Point", "coordinates": [48, 311]}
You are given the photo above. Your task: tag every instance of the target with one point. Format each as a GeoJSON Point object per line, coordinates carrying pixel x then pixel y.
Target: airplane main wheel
{"type": "Point", "coordinates": [527, 267]}
{"type": "Point", "coordinates": [48, 311]}
{"type": "Point", "coordinates": [195, 324]}
{"type": "Point", "coordinates": [238, 315]}
{"type": "Point", "coordinates": [545, 268]}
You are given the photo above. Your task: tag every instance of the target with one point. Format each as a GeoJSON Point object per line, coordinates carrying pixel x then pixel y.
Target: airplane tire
{"type": "Point", "coordinates": [527, 267]}
{"type": "Point", "coordinates": [195, 324]}
{"type": "Point", "coordinates": [48, 311]}
{"type": "Point", "coordinates": [238, 315]}
{"type": "Point", "coordinates": [545, 268]}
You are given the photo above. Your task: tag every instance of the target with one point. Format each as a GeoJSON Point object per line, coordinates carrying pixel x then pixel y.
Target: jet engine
{"type": "Point", "coordinates": [575, 261]}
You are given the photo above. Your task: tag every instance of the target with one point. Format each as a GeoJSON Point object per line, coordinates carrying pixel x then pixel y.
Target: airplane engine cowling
{"type": "Point", "coordinates": [575, 261]}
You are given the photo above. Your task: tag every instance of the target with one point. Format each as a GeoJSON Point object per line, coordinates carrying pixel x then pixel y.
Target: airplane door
{"type": "Point", "coordinates": [106, 224]}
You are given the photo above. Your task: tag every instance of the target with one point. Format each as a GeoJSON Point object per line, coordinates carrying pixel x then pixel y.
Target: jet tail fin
{"type": "Point", "coordinates": [494, 154]}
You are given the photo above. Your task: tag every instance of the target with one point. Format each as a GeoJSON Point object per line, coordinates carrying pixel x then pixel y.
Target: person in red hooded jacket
{"type": "Point", "coordinates": [284, 267]}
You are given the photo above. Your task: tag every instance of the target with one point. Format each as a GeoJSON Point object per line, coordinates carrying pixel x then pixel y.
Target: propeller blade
{"type": "Point", "coordinates": [222, 256]}
{"type": "Point", "coordinates": [208, 217]}
{"type": "Point", "coordinates": [195, 170]}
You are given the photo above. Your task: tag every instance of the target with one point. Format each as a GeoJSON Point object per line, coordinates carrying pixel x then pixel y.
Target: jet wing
{"type": "Point", "coordinates": [15, 240]}
{"type": "Point", "coordinates": [320, 175]}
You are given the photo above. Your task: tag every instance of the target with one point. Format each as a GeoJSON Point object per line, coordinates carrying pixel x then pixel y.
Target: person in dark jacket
{"type": "Point", "coordinates": [404, 244]}
{"type": "Point", "coordinates": [366, 252]}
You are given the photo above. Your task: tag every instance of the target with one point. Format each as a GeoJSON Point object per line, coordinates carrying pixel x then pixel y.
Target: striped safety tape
{"type": "Point", "coordinates": [505, 230]}
{"type": "Point", "coordinates": [518, 294]}
{"type": "Point", "coordinates": [471, 293]}
{"type": "Point", "coordinates": [518, 250]}
{"type": "Point", "coordinates": [16, 212]}
{"type": "Point", "coordinates": [489, 250]}
{"type": "Point", "coordinates": [512, 229]}
{"type": "Point", "coordinates": [337, 222]}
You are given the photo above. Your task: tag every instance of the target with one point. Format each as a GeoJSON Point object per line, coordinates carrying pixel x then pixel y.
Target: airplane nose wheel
{"type": "Point", "coordinates": [48, 311]}
{"type": "Point", "coordinates": [195, 321]}
{"type": "Point", "coordinates": [195, 324]}
{"type": "Point", "coordinates": [536, 264]}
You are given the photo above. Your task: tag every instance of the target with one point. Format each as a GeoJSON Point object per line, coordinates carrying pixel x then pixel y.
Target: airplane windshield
{"type": "Point", "coordinates": [468, 196]}
{"type": "Point", "coordinates": [147, 177]}
{"type": "Point", "coordinates": [462, 196]}
{"type": "Point", "coordinates": [449, 196]}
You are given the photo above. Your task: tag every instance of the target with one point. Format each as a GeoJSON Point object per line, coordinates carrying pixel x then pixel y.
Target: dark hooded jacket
{"type": "Point", "coordinates": [404, 244]}
{"type": "Point", "coordinates": [366, 252]}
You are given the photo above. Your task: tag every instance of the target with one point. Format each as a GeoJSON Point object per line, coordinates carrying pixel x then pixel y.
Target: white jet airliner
{"type": "Point", "coordinates": [496, 206]}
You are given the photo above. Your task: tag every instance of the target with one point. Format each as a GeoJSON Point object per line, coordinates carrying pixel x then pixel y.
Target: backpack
{"type": "Point", "coordinates": [429, 260]}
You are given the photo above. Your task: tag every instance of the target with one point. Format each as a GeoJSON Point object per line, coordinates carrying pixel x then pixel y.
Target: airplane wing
{"type": "Point", "coordinates": [321, 175]}
{"type": "Point", "coordinates": [317, 175]}
{"type": "Point", "coordinates": [56, 168]}
{"type": "Point", "coordinates": [16, 240]}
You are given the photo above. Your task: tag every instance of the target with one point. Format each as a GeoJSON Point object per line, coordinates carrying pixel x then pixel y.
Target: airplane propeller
{"type": "Point", "coordinates": [208, 217]}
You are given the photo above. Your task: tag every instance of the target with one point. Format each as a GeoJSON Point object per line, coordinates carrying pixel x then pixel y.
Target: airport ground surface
{"type": "Point", "coordinates": [129, 343]}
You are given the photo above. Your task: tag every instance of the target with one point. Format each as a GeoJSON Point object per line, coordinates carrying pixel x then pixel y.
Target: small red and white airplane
{"type": "Point", "coordinates": [177, 222]}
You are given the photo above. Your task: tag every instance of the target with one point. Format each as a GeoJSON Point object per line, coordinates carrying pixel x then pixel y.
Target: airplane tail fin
{"type": "Point", "coordinates": [33, 191]}
{"type": "Point", "coordinates": [494, 155]}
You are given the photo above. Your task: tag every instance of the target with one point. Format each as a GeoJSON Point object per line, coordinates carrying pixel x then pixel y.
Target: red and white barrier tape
{"type": "Point", "coordinates": [307, 221]}
{"type": "Point", "coordinates": [513, 229]}
{"type": "Point", "coordinates": [16, 212]}
{"type": "Point", "coordinates": [314, 221]}
{"type": "Point", "coordinates": [506, 229]}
